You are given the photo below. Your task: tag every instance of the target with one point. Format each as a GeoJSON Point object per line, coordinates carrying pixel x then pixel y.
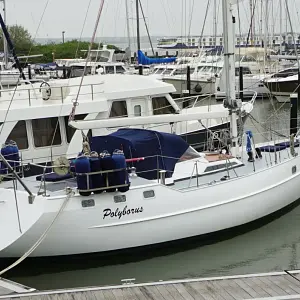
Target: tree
{"type": "Point", "coordinates": [69, 49]}
{"type": "Point", "coordinates": [20, 37]}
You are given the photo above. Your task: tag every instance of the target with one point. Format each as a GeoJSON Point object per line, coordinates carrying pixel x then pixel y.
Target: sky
{"type": "Point", "coordinates": [48, 18]}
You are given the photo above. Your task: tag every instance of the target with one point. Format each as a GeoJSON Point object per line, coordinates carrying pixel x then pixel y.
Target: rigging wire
{"type": "Point", "coordinates": [166, 15]}
{"type": "Point", "coordinates": [293, 36]}
{"type": "Point", "coordinates": [117, 16]}
{"type": "Point", "coordinates": [37, 30]}
{"type": "Point", "coordinates": [75, 102]}
{"type": "Point", "coordinates": [191, 16]}
{"type": "Point", "coordinates": [204, 21]}
{"type": "Point", "coordinates": [81, 33]}
{"type": "Point", "coordinates": [251, 24]}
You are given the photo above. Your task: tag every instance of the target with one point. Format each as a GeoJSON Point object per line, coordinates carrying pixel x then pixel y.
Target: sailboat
{"type": "Point", "coordinates": [137, 187]}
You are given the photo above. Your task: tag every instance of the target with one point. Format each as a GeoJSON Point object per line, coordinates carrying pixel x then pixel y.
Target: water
{"type": "Point", "coordinates": [273, 247]}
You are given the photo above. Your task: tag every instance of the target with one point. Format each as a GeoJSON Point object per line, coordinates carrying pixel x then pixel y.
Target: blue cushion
{"type": "Point", "coordinates": [53, 177]}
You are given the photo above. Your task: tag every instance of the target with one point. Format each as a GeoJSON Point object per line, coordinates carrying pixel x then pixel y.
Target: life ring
{"type": "Point", "coordinates": [47, 90]}
{"type": "Point", "coordinates": [198, 88]}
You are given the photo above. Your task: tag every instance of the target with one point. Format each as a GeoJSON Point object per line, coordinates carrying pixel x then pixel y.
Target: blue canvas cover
{"type": "Point", "coordinates": [144, 143]}
{"type": "Point", "coordinates": [47, 66]}
{"type": "Point", "coordinates": [144, 60]}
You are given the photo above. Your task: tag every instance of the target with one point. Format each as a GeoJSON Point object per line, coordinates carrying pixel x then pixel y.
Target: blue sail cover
{"type": "Point", "coordinates": [144, 143]}
{"type": "Point", "coordinates": [47, 66]}
{"type": "Point", "coordinates": [144, 60]}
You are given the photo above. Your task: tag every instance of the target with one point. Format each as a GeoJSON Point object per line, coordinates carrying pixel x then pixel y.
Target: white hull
{"type": "Point", "coordinates": [207, 87]}
{"type": "Point", "coordinates": [170, 215]}
{"type": "Point", "coordinates": [251, 84]}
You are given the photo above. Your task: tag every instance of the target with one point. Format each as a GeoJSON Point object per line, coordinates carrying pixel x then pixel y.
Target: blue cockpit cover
{"type": "Point", "coordinates": [144, 143]}
{"type": "Point", "coordinates": [144, 60]}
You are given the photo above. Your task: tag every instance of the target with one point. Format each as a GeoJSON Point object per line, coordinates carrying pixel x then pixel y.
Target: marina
{"type": "Point", "coordinates": [170, 171]}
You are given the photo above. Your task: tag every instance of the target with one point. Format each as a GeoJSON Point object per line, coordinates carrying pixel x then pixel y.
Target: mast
{"type": "Point", "coordinates": [11, 46]}
{"type": "Point", "coordinates": [251, 25]}
{"type": "Point", "coordinates": [280, 27]}
{"type": "Point", "coordinates": [127, 24]}
{"type": "Point", "coordinates": [138, 32]}
{"type": "Point", "coordinates": [260, 24]}
{"type": "Point", "coordinates": [146, 26]}
{"type": "Point", "coordinates": [229, 71]}
{"type": "Point", "coordinates": [266, 31]}
{"type": "Point", "coordinates": [215, 23]}
{"type": "Point", "coordinates": [5, 50]}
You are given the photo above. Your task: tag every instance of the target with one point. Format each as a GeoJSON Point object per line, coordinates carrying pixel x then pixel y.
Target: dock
{"type": "Point", "coordinates": [267, 286]}
{"type": "Point", "coordinates": [8, 288]}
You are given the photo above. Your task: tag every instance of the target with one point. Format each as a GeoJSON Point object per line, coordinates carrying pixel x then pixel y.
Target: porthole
{"type": "Point", "coordinates": [119, 198]}
{"type": "Point", "coordinates": [149, 194]}
{"type": "Point", "coordinates": [88, 203]}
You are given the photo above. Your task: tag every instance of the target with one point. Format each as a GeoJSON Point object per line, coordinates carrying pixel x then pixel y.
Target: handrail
{"type": "Point", "coordinates": [67, 85]}
{"type": "Point", "coordinates": [34, 93]}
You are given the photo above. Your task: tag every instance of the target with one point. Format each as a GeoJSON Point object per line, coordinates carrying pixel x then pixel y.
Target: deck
{"type": "Point", "coordinates": [276, 285]}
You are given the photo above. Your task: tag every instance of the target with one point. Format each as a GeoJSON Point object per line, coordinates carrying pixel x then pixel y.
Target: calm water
{"type": "Point", "coordinates": [273, 247]}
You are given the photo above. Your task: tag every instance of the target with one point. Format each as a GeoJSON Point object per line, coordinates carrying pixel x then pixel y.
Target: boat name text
{"type": "Point", "coordinates": [107, 212]}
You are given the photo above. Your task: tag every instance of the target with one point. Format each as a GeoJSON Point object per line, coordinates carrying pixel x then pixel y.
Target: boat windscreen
{"type": "Point", "coordinates": [190, 153]}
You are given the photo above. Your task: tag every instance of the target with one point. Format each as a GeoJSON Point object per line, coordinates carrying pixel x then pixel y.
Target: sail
{"type": "Point", "coordinates": [144, 60]}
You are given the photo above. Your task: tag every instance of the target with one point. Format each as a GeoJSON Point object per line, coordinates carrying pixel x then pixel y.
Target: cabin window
{"type": "Point", "coordinates": [19, 135]}
{"type": "Point", "coordinates": [220, 166]}
{"type": "Point", "coordinates": [245, 71]}
{"type": "Point", "coordinates": [109, 69]}
{"type": "Point", "coordinates": [168, 71]}
{"type": "Point", "coordinates": [120, 70]}
{"type": "Point", "coordinates": [161, 106]}
{"type": "Point", "coordinates": [46, 132]}
{"type": "Point", "coordinates": [180, 71]}
{"type": "Point", "coordinates": [137, 110]}
{"type": "Point", "coordinates": [118, 109]}
{"type": "Point", "coordinates": [70, 130]}
{"type": "Point", "coordinates": [160, 71]}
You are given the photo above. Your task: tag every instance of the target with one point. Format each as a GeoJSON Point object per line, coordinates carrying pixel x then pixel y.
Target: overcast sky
{"type": "Point", "coordinates": [164, 17]}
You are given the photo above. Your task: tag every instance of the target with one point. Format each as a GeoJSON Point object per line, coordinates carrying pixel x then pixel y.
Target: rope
{"type": "Point", "coordinates": [271, 130]}
{"type": "Point", "coordinates": [38, 28]}
{"type": "Point", "coordinates": [42, 237]}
